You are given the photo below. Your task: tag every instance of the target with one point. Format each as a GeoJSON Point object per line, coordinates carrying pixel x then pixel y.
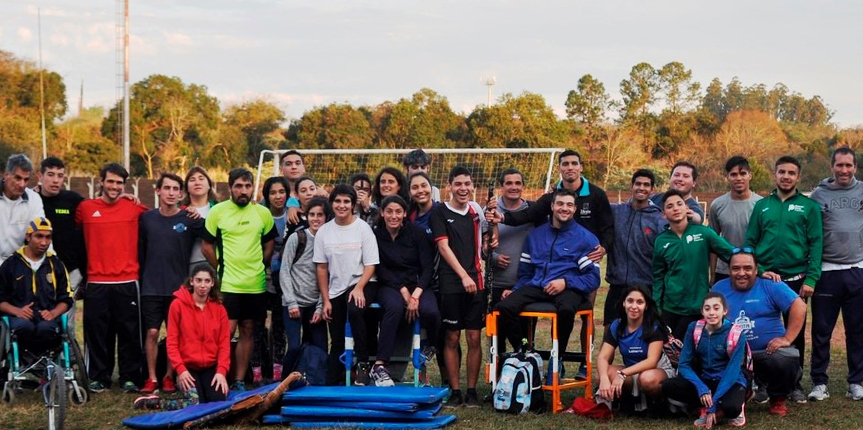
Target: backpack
{"type": "Point", "coordinates": [301, 245]}
{"type": "Point", "coordinates": [519, 388]}
{"type": "Point", "coordinates": [731, 342]}
{"type": "Point", "coordinates": [672, 347]}
{"type": "Point", "coordinates": [310, 360]}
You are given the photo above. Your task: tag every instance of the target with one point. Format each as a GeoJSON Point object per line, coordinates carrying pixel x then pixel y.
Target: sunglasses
{"type": "Point", "coordinates": [744, 250]}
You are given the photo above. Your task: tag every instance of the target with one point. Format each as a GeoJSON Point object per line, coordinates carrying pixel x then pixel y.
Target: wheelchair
{"type": "Point", "coordinates": [59, 368]}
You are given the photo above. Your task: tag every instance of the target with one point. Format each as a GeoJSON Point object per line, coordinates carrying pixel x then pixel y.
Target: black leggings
{"type": "Point", "coordinates": [683, 391]}
{"type": "Point", "coordinates": [203, 384]}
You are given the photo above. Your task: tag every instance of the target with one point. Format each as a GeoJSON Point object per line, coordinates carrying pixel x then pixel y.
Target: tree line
{"type": "Point", "coordinates": [659, 116]}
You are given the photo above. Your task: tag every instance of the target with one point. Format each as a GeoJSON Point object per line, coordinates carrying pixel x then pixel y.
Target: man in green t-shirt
{"type": "Point", "coordinates": [681, 264]}
{"type": "Point", "coordinates": [238, 240]}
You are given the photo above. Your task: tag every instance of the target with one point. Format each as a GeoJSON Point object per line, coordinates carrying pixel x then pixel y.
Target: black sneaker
{"type": "Point", "coordinates": [363, 377]}
{"type": "Point", "coordinates": [471, 400]}
{"type": "Point", "coordinates": [455, 400]}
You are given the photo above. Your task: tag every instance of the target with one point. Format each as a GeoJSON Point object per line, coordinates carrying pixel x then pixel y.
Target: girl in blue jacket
{"type": "Point", "coordinates": [711, 369]}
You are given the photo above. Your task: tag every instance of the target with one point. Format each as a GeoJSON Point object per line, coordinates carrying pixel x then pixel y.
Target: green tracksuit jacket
{"type": "Point", "coordinates": [787, 236]}
{"type": "Point", "coordinates": [681, 267]}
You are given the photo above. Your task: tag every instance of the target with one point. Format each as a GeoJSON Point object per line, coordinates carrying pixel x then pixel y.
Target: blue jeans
{"type": "Point", "coordinates": [35, 331]}
{"type": "Point", "coordinates": [315, 334]}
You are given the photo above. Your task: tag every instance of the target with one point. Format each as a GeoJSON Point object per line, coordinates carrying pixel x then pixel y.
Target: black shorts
{"type": "Point", "coordinates": [242, 307]}
{"type": "Point", "coordinates": [463, 311]}
{"type": "Point", "coordinates": [154, 310]}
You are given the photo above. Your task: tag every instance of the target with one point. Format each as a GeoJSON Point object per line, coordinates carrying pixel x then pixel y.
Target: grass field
{"type": "Point", "coordinates": [107, 410]}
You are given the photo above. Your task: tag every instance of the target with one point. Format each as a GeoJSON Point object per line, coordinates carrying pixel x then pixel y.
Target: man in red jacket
{"type": "Point", "coordinates": [110, 225]}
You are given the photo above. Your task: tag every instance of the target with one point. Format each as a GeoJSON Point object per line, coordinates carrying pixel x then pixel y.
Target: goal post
{"type": "Point", "coordinates": [334, 166]}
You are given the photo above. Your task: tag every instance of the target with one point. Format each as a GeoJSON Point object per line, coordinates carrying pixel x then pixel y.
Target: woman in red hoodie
{"type": "Point", "coordinates": [199, 342]}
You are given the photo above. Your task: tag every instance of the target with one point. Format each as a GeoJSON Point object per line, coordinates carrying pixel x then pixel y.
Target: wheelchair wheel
{"type": "Point", "coordinates": [8, 394]}
{"type": "Point", "coordinates": [77, 394]}
{"type": "Point", "coordinates": [55, 399]}
{"type": "Point", "coordinates": [79, 370]}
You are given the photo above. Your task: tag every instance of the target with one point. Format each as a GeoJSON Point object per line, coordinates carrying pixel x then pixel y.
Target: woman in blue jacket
{"type": "Point", "coordinates": [711, 369]}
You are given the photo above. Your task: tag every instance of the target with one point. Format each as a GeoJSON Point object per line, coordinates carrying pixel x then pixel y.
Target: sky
{"type": "Point", "coordinates": [300, 54]}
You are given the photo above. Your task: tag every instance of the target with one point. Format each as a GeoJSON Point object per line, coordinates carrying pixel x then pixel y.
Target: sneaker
{"type": "Point", "coordinates": [277, 372]}
{"type": "Point", "coordinates": [819, 393]}
{"type": "Point", "coordinates": [702, 419]}
{"type": "Point", "coordinates": [130, 387]}
{"type": "Point", "coordinates": [797, 396]}
{"type": "Point", "coordinates": [168, 385]}
{"type": "Point", "coordinates": [96, 387]}
{"type": "Point", "coordinates": [150, 402]}
{"type": "Point", "coordinates": [760, 395]}
{"type": "Point", "coordinates": [740, 421]}
{"type": "Point", "coordinates": [455, 400]}
{"type": "Point", "coordinates": [581, 375]}
{"type": "Point", "coordinates": [471, 400]}
{"type": "Point", "coordinates": [778, 407]}
{"type": "Point", "coordinates": [381, 377]}
{"type": "Point", "coordinates": [561, 373]}
{"type": "Point", "coordinates": [238, 386]}
{"type": "Point", "coordinates": [363, 375]}
{"type": "Point", "coordinates": [150, 386]}
{"type": "Point", "coordinates": [256, 375]}
{"type": "Point", "coordinates": [855, 392]}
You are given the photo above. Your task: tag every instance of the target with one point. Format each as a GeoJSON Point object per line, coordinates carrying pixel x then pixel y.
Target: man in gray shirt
{"type": "Point", "coordinates": [841, 283]}
{"type": "Point", "coordinates": [730, 212]}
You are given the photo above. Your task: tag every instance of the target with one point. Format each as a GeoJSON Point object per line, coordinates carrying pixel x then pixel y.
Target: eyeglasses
{"type": "Point", "coordinates": [744, 250]}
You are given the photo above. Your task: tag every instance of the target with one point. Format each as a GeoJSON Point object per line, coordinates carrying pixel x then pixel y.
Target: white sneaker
{"type": "Point", "coordinates": [381, 377]}
{"type": "Point", "coordinates": [855, 392]}
{"type": "Point", "coordinates": [819, 393]}
{"type": "Point", "coordinates": [740, 421]}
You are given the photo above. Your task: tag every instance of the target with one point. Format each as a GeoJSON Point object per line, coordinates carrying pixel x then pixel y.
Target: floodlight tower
{"type": "Point", "coordinates": [121, 56]}
{"type": "Point", "coordinates": [489, 82]}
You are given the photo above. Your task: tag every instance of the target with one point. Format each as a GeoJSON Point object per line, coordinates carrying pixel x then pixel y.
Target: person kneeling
{"type": "Point", "coordinates": [639, 334]}
{"type": "Point", "coordinates": [553, 268]}
{"type": "Point", "coordinates": [711, 373]}
{"type": "Point", "coordinates": [199, 343]}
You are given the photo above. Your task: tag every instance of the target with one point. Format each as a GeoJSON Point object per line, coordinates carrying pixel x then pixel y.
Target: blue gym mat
{"type": "Point", "coordinates": [173, 419]}
{"type": "Point", "coordinates": [329, 412]}
{"type": "Point", "coordinates": [377, 406]}
{"type": "Point", "coordinates": [434, 423]}
{"type": "Point", "coordinates": [423, 395]}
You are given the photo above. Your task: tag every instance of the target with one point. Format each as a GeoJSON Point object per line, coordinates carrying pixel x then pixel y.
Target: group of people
{"type": "Point", "coordinates": [732, 292]}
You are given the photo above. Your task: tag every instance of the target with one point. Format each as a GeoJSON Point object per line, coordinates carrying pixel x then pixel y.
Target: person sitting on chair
{"type": "Point", "coordinates": [34, 288]}
{"type": "Point", "coordinates": [554, 267]}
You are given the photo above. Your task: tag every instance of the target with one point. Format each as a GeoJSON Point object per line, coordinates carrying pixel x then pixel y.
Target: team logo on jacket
{"type": "Point", "coordinates": [96, 214]}
{"type": "Point", "coordinates": [585, 209]}
{"type": "Point", "coordinates": [179, 228]}
{"type": "Point", "coordinates": [693, 238]}
{"type": "Point", "coordinates": [795, 208]}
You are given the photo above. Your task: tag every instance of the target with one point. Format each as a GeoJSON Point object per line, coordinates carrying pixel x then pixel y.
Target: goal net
{"type": "Point", "coordinates": [334, 166]}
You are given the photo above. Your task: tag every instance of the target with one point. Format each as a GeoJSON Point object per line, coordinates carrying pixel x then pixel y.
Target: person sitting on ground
{"type": "Point", "coordinates": [404, 274]}
{"type": "Point", "coordinates": [35, 289]}
{"type": "Point", "coordinates": [199, 343]}
{"type": "Point", "coordinates": [554, 267]}
{"type": "Point", "coordinates": [639, 334]}
{"type": "Point", "coordinates": [757, 306]}
{"type": "Point", "coordinates": [710, 372]}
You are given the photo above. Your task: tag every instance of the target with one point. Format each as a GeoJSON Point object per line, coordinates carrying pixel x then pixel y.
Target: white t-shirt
{"type": "Point", "coordinates": [347, 250]}
{"type": "Point", "coordinates": [36, 264]}
{"type": "Point", "coordinates": [198, 256]}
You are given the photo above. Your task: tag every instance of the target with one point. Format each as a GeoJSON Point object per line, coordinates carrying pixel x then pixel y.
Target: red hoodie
{"type": "Point", "coordinates": [198, 338]}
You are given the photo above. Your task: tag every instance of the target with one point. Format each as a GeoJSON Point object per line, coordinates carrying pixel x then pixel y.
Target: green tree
{"type": "Point", "coordinates": [79, 141]}
{"type": "Point", "coordinates": [260, 122]}
{"type": "Point", "coordinates": [168, 120]}
{"type": "Point", "coordinates": [639, 93]}
{"type": "Point", "coordinates": [679, 91]}
{"type": "Point", "coordinates": [589, 103]}
{"type": "Point", "coordinates": [523, 121]}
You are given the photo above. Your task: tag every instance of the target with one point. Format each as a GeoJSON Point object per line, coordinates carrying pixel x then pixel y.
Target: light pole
{"type": "Point", "coordinates": [489, 82]}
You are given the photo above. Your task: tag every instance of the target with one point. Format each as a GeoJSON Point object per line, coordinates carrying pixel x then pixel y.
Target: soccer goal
{"type": "Point", "coordinates": [334, 166]}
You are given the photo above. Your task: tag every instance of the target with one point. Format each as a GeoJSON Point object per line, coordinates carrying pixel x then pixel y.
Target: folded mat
{"type": "Point", "coordinates": [378, 406]}
{"type": "Point", "coordinates": [424, 413]}
{"type": "Point", "coordinates": [174, 419]}
{"type": "Point", "coordinates": [434, 423]}
{"type": "Point", "coordinates": [398, 394]}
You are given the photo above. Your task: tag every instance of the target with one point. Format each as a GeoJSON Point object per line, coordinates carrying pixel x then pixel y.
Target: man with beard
{"type": "Point", "coordinates": [756, 305]}
{"type": "Point", "coordinates": [683, 178]}
{"type": "Point", "coordinates": [238, 241]}
{"type": "Point", "coordinates": [841, 283]}
{"type": "Point", "coordinates": [112, 298]}
{"type": "Point", "coordinates": [786, 233]}
{"type": "Point", "coordinates": [554, 267]}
